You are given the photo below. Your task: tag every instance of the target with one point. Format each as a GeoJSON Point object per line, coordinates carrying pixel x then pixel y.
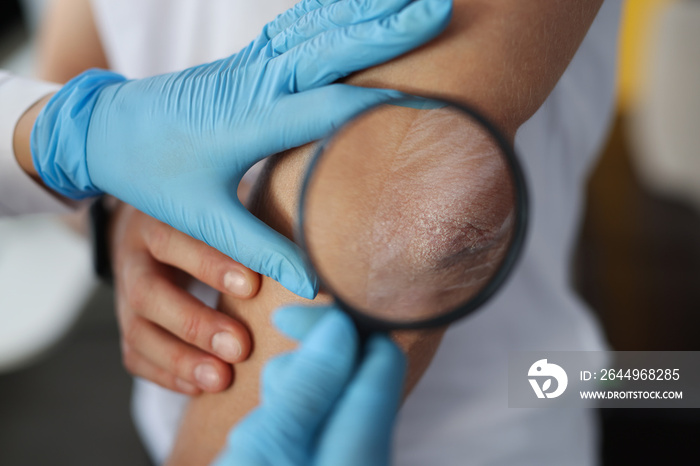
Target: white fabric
{"type": "Point", "coordinates": [19, 194]}
{"type": "Point", "coordinates": [143, 38]}
{"type": "Point", "coordinates": [458, 414]}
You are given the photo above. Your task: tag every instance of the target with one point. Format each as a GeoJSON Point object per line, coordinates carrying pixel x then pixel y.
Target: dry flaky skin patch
{"type": "Point", "coordinates": [422, 223]}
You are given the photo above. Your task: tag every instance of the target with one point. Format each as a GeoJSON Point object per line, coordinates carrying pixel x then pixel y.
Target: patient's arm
{"type": "Point", "coordinates": [209, 418]}
{"type": "Point", "coordinates": [503, 57]}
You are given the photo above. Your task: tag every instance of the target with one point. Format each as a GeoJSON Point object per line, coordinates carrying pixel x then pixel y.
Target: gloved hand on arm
{"type": "Point", "coordinates": [329, 403]}
{"type": "Point", "coordinates": [175, 146]}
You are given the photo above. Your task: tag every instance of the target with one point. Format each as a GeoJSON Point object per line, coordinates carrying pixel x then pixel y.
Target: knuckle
{"type": "Point", "coordinates": [136, 294]}
{"type": "Point", "coordinates": [363, 7]}
{"type": "Point", "coordinates": [134, 287]}
{"type": "Point", "coordinates": [302, 24]}
{"type": "Point", "coordinates": [191, 327]}
{"type": "Point", "coordinates": [158, 239]}
{"type": "Point", "coordinates": [177, 361]}
{"type": "Point", "coordinates": [130, 334]}
{"type": "Point", "coordinates": [208, 270]}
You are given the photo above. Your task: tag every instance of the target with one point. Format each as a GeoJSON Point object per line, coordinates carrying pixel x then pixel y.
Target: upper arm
{"type": "Point", "coordinates": [502, 56]}
{"type": "Point", "coordinates": [69, 42]}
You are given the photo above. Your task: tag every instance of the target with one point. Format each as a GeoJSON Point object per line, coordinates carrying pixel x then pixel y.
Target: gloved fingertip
{"type": "Point", "coordinates": [423, 20]}
{"type": "Point", "coordinates": [297, 321]}
{"type": "Point", "coordinates": [309, 287]}
{"type": "Point", "coordinates": [439, 10]}
{"type": "Point", "coordinates": [366, 98]}
{"type": "Point", "coordinates": [305, 289]}
{"type": "Point", "coordinates": [386, 351]}
{"type": "Point", "coordinates": [419, 103]}
{"type": "Point", "coordinates": [442, 6]}
{"type": "Point", "coordinates": [334, 332]}
{"type": "Point", "coordinates": [393, 93]}
{"type": "Point", "coordinates": [301, 281]}
{"type": "Point", "coordinates": [396, 98]}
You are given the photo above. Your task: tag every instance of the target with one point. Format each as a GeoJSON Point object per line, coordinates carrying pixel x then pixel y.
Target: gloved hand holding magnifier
{"type": "Point", "coordinates": [454, 239]}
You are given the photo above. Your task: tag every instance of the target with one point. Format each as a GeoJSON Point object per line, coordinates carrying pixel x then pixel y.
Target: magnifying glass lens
{"type": "Point", "coordinates": [410, 211]}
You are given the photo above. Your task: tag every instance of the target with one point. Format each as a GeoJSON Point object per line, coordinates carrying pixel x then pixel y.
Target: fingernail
{"type": "Point", "coordinates": [226, 346]}
{"type": "Point", "coordinates": [207, 377]}
{"type": "Point", "coordinates": [236, 283]}
{"type": "Point", "coordinates": [185, 386]}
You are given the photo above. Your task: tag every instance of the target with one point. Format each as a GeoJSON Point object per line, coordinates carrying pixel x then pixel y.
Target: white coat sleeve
{"type": "Point", "coordinates": [19, 193]}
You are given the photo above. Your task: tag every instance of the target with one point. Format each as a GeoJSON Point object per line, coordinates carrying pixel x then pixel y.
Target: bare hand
{"type": "Point", "coordinates": [168, 336]}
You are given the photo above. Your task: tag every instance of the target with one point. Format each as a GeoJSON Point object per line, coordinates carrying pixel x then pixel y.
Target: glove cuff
{"type": "Point", "coordinates": [60, 133]}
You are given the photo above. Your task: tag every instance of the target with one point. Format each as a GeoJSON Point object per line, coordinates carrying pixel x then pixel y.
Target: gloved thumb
{"type": "Point", "coordinates": [366, 412]}
{"type": "Point", "coordinates": [237, 233]}
{"type": "Point", "coordinates": [299, 390]}
{"type": "Point", "coordinates": [327, 108]}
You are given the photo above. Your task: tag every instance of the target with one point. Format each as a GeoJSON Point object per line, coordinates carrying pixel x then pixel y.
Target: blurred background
{"type": "Point", "coordinates": [64, 396]}
{"type": "Point", "coordinates": [638, 258]}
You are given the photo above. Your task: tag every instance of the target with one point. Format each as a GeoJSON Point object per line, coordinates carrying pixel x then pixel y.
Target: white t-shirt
{"type": "Point", "coordinates": [458, 413]}
{"type": "Point", "coordinates": [19, 194]}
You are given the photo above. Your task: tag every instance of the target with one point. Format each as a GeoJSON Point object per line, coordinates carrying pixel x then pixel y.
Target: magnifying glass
{"type": "Point", "coordinates": [413, 213]}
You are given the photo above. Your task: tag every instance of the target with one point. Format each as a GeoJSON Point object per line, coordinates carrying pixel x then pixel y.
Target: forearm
{"type": "Point", "coordinates": [21, 192]}
{"type": "Point", "coordinates": [22, 138]}
{"type": "Point", "coordinates": [68, 45]}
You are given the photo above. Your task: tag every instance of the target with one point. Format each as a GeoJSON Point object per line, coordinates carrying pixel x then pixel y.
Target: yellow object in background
{"type": "Point", "coordinates": [640, 20]}
{"type": "Point", "coordinates": [659, 95]}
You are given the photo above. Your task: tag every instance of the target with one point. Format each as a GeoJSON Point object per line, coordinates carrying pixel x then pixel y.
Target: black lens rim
{"type": "Point", "coordinates": [368, 323]}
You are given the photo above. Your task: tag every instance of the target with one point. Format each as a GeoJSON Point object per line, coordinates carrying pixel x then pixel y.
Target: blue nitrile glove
{"type": "Point", "coordinates": [175, 146]}
{"type": "Point", "coordinates": [319, 406]}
